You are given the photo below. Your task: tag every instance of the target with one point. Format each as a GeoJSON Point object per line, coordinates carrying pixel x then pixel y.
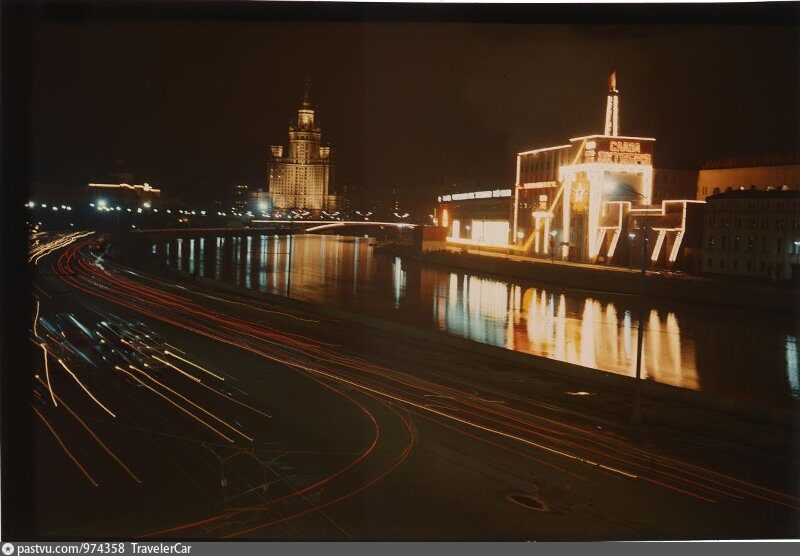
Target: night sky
{"type": "Point", "coordinates": [193, 105]}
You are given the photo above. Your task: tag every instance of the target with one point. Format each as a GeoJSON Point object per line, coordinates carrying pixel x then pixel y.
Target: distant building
{"type": "Point", "coordinates": [752, 233]}
{"type": "Point", "coordinates": [240, 198]}
{"type": "Point", "coordinates": [124, 194]}
{"type": "Point", "coordinates": [760, 173]}
{"type": "Point", "coordinates": [670, 183]}
{"type": "Point", "coordinates": [302, 178]}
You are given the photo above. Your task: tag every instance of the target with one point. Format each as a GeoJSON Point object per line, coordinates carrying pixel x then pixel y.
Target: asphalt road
{"type": "Point", "coordinates": [324, 431]}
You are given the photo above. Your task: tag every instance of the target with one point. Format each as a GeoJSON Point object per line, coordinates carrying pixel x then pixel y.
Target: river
{"type": "Point", "coordinates": [747, 355]}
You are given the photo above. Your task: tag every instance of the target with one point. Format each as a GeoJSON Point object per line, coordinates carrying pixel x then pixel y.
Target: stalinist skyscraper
{"type": "Point", "coordinates": [302, 178]}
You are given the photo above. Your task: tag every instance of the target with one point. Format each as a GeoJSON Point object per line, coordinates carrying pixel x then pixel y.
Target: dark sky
{"type": "Point", "coordinates": [193, 105]}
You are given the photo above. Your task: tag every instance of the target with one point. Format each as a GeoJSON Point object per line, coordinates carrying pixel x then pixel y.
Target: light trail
{"type": "Point", "coordinates": [47, 375]}
{"type": "Point", "coordinates": [64, 447]}
{"type": "Point", "coordinates": [39, 251]}
{"type": "Point", "coordinates": [74, 376]}
{"type": "Point", "coordinates": [183, 409]}
{"type": "Point", "coordinates": [184, 398]}
{"type": "Point", "coordinates": [36, 319]}
{"type": "Point", "coordinates": [97, 438]}
{"type": "Point", "coordinates": [195, 365]}
{"type": "Point", "coordinates": [181, 371]}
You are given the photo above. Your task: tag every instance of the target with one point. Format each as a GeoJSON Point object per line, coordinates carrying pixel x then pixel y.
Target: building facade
{"type": "Point", "coordinates": [581, 201]}
{"type": "Point", "coordinates": [752, 233]}
{"type": "Point", "coordinates": [302, 178]}
{"type": "Point", "coordinates": [761, 173]}
{"type": "Point", "coordinates": [670, 183]}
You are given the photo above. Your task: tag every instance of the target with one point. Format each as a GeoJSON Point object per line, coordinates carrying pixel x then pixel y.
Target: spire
{"type": "Point", "coordinates": [612, 83]}
{"type": "Point", "coordinates": [307, 93]}
{"type": "Point", "coordinates": [612, 107]}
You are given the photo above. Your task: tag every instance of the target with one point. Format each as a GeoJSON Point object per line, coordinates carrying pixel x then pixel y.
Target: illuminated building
{"type": "Point", "coordinates": [575, 201]}
{"type": "Point", "coordinates": [752, 233]}
{"type": "Point", "coordinates": [488, 222]}
{"type": "Point", "coordinates": [124, 194]}
{"type": "Point", "coordinates": [302, 178]}
{"type": "Point", "coordinates": [239, 199]}
{"type": "Point", "coordinates": [761, 173]}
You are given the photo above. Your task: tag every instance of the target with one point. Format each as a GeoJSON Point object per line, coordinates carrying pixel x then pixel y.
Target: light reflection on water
{"type": "Point", "coordinates": [749, 355]}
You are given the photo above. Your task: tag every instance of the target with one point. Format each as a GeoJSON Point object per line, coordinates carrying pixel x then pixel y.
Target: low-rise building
{"type": "Point", "coordinates": [763, 173]}
{"type": "Point", "coordinates": [752, 233]}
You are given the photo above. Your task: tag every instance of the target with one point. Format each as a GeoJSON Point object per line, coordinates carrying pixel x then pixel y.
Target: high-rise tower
{"type": "Point", "coordinates": [302, 179]}
{"type": "Point", "coordinates": [612, 107]}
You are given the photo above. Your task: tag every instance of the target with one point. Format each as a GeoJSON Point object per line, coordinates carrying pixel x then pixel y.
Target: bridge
{"type": "Point", "coordinates": [321, 225]}
{"type": "Point", "coordinates": [258, 227]}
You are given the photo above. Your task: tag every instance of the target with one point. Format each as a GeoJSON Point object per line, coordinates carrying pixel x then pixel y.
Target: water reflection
{"type": "Point", "coordinates": [749, 356]}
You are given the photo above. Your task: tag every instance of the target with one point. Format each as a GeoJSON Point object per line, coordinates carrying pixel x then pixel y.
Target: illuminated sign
{"type": "Point", "coordinates": [495, 193]}
{"type": "Point", "coordinates": [539, 184]}
{"type": "Point", "coordinates": [618, 151]}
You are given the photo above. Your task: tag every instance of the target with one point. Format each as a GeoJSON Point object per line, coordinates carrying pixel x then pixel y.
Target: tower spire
{"type": "Point", "coordinates": [307, 93]}
{"type": "Point", "coordinates": [612, 107]}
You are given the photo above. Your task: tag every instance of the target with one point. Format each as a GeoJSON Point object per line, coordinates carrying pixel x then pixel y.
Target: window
{"type": "Point", "coordinates": [735, 265]}
{"type": "Point", "coordinates": [779, 246]}
{"type": "Point", "coordinates": [736, 244]}
{"type": "Point", "coordinates": [722, 263]}
{"type": "Point", "coordinates": [749, 265]}
{"type": "Point", "coordinates": [710, 263]}
{"type": "Point", "coordinates": [763, 245]}
{"type": "Point", "coordinates": [723, 242]}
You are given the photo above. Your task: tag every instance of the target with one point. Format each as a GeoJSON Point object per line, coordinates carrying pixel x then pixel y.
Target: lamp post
{"type": "Point", "coordinates": [553, 234]}
{"type": "Point", "coordinates": [636, 407]}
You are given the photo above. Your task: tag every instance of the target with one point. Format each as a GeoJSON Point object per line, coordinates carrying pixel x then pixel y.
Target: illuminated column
{"type": "Point", "coordinates": [612, 107]}
{"type": "Point", "coordinates": [516, 205]}
{"type": "Point", "coordinates": [567, 179]}
{"type": "Point", "coordinates": [647, 184]}
{"type": "Point", "coordinates": [595, 201]}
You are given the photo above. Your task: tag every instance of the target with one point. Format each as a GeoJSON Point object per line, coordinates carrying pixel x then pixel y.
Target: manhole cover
{"type": "Point", "coordinates": [527, 501]}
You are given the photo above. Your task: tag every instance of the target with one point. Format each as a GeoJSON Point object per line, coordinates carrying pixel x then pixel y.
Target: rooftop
{"type": "Point", "coordinates": [752, 161]}
{"type": "Point", "coordinates": [756, 194]}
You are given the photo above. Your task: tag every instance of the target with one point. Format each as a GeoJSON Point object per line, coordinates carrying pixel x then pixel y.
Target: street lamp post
{"type": "Point", "coordinates": [636, 409]}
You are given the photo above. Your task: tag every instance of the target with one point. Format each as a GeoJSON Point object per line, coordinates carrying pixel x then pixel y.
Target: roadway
{"type": "Point", "coordinates": [279, 424]}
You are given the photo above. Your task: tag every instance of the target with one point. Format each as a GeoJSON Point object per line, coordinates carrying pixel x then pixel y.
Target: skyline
{"type": "Point", "coordinates": [203, 101]}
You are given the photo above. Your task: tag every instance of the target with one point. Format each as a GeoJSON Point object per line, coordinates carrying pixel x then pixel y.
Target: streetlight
{"type": "Point", "coordinates": [636, 408]}
{"type": "Point", "coordinates": [553, 234]}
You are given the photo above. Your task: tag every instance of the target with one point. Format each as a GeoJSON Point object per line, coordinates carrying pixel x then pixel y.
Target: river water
{"type": "Point", "coordinates": [748, 355]}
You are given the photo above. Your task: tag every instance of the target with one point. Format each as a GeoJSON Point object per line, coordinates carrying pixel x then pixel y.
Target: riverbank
{"type": "Point", "coordinates": [692, 289]}
{"type": "Point", "coordinates": [659, 413]}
